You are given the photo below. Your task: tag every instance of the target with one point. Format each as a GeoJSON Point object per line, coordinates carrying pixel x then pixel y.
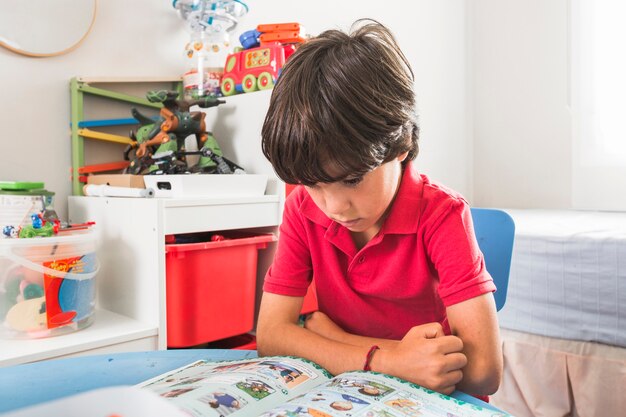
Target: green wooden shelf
{"type": "Point", "coordinates": [79, 87]}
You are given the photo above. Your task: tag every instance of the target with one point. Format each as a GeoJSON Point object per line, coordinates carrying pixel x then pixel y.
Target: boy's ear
{"type": "Point", "coordinates": [403, 156]}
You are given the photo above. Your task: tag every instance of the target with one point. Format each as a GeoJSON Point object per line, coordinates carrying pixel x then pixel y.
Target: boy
{"type": "Point", "coordinates": [401, 284]}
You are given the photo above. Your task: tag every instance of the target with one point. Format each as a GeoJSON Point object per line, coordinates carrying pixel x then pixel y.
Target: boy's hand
{"type": "Point", "coordinates": [426, 357]}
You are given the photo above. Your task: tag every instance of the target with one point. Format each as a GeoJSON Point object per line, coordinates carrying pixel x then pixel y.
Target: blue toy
{"type": "Point", "coordinates": [37, 222]}
{"type": "Point", "coordinates": [250, 39]}
{"type": "Point", "coordinates": [9, 231]}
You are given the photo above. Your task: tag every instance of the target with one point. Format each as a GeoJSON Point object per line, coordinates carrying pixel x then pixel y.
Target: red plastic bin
{"type": "Point", "coordinates": [245, 341]}
{"type": "Point", "coordinates": [210, 288]}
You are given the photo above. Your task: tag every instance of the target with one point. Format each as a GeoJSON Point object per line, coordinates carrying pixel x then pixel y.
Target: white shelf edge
{"type": "Point", "coordinates": [201, 201]}
{"type": "Point", "coordinates": [107, 329]}
{"type": "Point", "coordinates": [215, 201]}
{"type": "Point", "coordinates": [156, 79]}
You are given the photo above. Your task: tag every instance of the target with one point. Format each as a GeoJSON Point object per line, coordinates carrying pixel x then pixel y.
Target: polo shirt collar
{"type": "Point", "coordinates": [405, 211]}
{"type": "Point", "coordinates": [335, 233]}
{"type": "Point", "coordinates": [406, 208]}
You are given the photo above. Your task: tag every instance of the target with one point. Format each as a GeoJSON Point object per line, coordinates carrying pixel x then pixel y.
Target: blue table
{"type": "Point", "coordinates": [37, 382]}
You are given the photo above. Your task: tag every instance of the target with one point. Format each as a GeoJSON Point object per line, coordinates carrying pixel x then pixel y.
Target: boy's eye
{"type": "Point", "coordinates": [352, 182]}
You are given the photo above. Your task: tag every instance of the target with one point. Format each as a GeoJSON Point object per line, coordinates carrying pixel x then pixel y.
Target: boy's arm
{"type": "Point", "coordinates": [321, 324]}
{"type": "Point", "coordinates": [278, 333]}
{"type": "Point", "coordinates": [473, 321]}
{"type": "Point", "coordinates": [424, 356]}
{"type": "Point", "coordinates": [476, 323]}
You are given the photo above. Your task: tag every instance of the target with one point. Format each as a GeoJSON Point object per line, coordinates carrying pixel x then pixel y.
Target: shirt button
{"type": "Point", "coordinates": [362, 259]}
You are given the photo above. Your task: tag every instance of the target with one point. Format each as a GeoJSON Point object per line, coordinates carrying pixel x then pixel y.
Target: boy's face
{"type": "Point", "coordinates": [359, 204]}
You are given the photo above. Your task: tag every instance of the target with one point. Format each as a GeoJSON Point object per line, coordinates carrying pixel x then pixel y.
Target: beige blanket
{"type": "Point", "coordinates": [548, 377]}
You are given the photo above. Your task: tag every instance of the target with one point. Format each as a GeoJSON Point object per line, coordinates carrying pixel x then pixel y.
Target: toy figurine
{"type": "Point", "coordinates": [39, 227]}
{"type": "Point", "coordinates": [43, 224]}
{"type": "Point", "coordinates": [10, 231]}
{"type": "Point", "coordinates": [37, 221]}
{"type": "Point", "coordinates": [160, 147]}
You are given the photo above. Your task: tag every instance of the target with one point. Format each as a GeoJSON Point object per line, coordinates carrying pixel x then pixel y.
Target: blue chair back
{"type": "Point", "coordinates": [495, 232]}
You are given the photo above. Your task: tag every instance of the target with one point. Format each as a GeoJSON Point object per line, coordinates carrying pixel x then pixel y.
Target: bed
{"type": "Point", "coordinates": [564, 323]}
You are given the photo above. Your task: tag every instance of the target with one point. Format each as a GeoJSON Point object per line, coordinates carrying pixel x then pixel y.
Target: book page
{"type": "Point", "coordinates": [368, 394]}
{"type": "Point", "coordinates": [237, 388]}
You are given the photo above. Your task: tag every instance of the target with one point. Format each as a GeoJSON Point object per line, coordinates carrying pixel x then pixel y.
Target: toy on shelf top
{"type": "Point", "coordinates": [266, 49]}
{"type": "Point", "coordinates": [19, 201]}
{"type": "Point", "coordinates": [27, 210]}
{"type": "Point", "coordinates": [160, 145]}
{"type": "Point", "coordinates": [210, 23]}
{"type": "Point", "coordinates": [211, 16]}
{"type": "Point", "coordinates": [44, 224]}
{"type": "Point", "coordinates": [265, 34]}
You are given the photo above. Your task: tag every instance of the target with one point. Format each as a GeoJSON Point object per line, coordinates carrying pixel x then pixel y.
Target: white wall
{"type": "Point", "coordinates": [128, 39]}
{"type": "Point", "coordinates": [146, 38]}
{"type": "Point", "coordinates": [519, 82]}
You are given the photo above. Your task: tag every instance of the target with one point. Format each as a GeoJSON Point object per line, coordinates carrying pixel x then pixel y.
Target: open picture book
{"type": "Point", "coordinates": [289, 387]}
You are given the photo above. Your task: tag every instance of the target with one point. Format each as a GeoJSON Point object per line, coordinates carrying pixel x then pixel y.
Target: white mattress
{"type": "Point", "coordinates": [568, 275]}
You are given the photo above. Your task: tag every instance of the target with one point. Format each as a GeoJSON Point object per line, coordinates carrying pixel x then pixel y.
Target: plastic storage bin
{"type": "Point", "coordinates": [47, 284]}
{"type": "Point", "coordinates": [210, 288]}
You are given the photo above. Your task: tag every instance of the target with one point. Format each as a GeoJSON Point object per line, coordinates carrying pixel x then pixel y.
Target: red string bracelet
{"type": "Point", "coordinates": [368, 358]}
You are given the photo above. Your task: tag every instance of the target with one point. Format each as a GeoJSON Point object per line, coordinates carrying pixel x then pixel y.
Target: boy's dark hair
{"type": "Point", "coordinates": [343, 101]}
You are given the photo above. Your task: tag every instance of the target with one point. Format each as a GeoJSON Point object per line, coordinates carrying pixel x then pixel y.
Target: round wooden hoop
{"type": "Point", "coordinates": [61, 52]}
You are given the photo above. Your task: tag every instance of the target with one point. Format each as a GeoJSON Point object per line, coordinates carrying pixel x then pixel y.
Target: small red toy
{"type": "Point", "coordinates": [254, 69]}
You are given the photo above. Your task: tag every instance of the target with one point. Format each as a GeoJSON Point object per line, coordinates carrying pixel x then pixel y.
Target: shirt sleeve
{"type": "Point", "coordinates": [455, 254]}
{"type": "Point", "coordinates": [291, 271]}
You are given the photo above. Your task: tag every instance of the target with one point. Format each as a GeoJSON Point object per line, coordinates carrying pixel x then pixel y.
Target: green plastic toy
{"type": "Point", "coordinates": [160, 144]}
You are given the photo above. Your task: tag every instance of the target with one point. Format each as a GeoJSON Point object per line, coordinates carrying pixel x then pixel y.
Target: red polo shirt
{"type": "Point", "coordinates": [424, 258]}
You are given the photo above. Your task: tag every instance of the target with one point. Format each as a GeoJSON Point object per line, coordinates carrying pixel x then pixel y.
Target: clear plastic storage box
{"type": "Point", "coordinates": [47, 284]}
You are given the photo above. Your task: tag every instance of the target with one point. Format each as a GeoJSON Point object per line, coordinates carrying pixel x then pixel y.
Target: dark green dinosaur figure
{"type": "Point", "coordinates": [160, 144]}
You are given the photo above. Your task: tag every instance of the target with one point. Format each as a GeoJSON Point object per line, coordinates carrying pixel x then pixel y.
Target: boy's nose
{"type": "Point", "coordinates": [336, 204]}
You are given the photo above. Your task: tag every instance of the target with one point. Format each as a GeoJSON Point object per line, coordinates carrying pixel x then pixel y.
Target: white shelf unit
{"type": "Point", "coordinates": [109, 333]}
{"type": "Point", "coordinates": [131, 299]}
{"type": "Point", "coordinates": [132, 278]}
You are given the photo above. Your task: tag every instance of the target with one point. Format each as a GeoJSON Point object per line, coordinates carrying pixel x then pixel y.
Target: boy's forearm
{"type": "Point", "coordinates": [368, 342]}
{"type": "Point", "coordinates": [483, 373]}
{"type": "Point", "coordinates": [418, 358]}
{"type": "Point", "coordinates": [319, 323]}
{"type": "Point", "coordinates": [482, 382]}
{"type": "Point", "coordinates": [291, 339]}
{"type": "Point", "coordinates": [475, 322]}
{"type": "Point", "coordinates": [424, 356]}
{"type": "Point", "coordinates": [278, 333]}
